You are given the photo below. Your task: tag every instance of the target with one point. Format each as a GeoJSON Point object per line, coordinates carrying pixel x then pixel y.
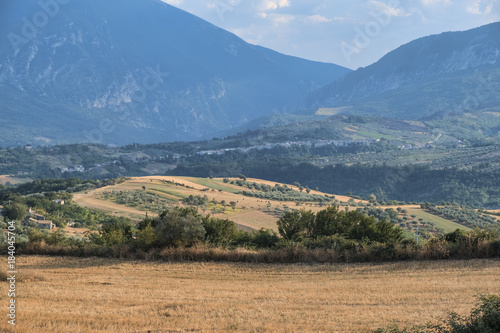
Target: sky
{"type": "Point", "coordinates": [353, 34]}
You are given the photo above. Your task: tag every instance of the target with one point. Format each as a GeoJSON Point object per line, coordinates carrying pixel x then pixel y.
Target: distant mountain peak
{"type": "Point", "coordinates": [155, 72]}
{"type": "Point", "coordinates": [439, 68]}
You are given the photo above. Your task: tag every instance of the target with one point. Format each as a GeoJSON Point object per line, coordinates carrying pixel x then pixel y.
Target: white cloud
{"type": "Point", "coordinates": [481, 7]}
{"type": "Point", "coordinates": [436, 2]}
{"type": "Point", "coordinates": [274, 4]}
{"type": "Point", "coordinates": [392, 11]}
{"type": "Point", "coordinates": [317, 19]}
{"type": "Point", "coordinates": [174, 2]}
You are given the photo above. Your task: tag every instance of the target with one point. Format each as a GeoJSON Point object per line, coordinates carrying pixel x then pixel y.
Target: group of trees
{"type": "Point", "coordinates": [16, 206]}
{"type": "Point", "coordinates": [183, 227]}
{"type": "Point", "coordinates": [180, 227]}
{"type": "Point", "coordinates": [463, 215]}
{"type": "Point", "coordinates": [298, 225]}
{"type": "Point", "coordinates": [330, 235]}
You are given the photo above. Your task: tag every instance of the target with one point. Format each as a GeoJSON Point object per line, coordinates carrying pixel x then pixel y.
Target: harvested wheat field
{"type": "Point", "coordinates": [61, 294]}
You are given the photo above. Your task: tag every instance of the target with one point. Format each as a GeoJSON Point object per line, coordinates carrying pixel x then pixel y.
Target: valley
{"type": "Point", "coordinates": [162, 171]}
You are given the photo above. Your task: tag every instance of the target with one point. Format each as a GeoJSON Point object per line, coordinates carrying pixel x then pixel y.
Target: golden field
{"type": "Point", "coordinates": [63, 294]}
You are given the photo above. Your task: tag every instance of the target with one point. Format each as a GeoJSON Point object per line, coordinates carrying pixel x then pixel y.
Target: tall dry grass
{"type": "Point", "coordinates": [436, 249]}
{"type": "Point", "coordinates": [113, 295]}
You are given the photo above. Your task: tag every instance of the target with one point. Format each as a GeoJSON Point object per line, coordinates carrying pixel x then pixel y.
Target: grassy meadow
{"type": "Point", "coordinates": [62, 294]}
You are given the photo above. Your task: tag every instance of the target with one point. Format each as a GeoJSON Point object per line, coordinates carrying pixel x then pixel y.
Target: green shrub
{"type": "Point", "coordinates": [484, 318]}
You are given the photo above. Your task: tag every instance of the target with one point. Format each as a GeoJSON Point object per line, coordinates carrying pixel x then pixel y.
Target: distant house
{"type": "Point", "coordinates": [76, 168]}
{"type": "Point", "coordinates": [46, 225]}
{"type": "Point", "coordinates": [39, 217]}
{"type": "Point", "coordinates": [42, 224]}
{"type": "Point", "coordinates": [28, 147]}
{"type": "Point", "coordinates": [59, 201]}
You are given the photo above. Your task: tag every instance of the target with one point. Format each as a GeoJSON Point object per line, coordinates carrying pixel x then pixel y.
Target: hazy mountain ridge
{"type": "Point", "coordinates": [172, 76]}
{"type": "Point", "coordinates": [456, 63]}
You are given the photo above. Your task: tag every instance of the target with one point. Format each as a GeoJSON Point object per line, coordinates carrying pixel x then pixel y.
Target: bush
{"type": "Point", "coordinates": [484, 318]}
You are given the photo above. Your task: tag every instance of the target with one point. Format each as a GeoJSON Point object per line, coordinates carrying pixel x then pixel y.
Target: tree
{"type": "Point", "coordinates": [265, 238]}
{"type": "Point", "coordinates": [117, 231]}
{"type": "Point", "coordinates": [293, 224]}
{"type": "Point", "coordinates": [15, 211]}
{"type": "Point", "coordinates": [386, 232]}
{"type": "Point", "coordinates": [56, 238]}
{"type": "Point", "coordinates": [145, 238]}
{"type": "Point", "coordinates": [328, 222]}
{"type": "Point", "coordinates": [218, 231]}
{"type": "Point", "coordinates": [360, 226]}
{"type": "Point", "coordinates": [178, 227]}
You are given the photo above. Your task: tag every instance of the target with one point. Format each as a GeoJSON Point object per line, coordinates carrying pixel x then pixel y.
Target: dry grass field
{"type": "Point", "coordinates": [61, 294]}
{"type": "Point", "coordinates": [4, 179]}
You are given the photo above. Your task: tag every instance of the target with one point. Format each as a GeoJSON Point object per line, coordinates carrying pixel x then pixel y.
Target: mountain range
{"type": "Point", "coordinates": [122, 71]}
{"type": "Point", "coordinates": [451, 72]}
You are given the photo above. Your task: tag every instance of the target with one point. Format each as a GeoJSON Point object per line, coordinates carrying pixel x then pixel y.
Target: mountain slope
{"type": "Point", "coordinates": [453, 71]}
{"type": "Point", "coordinates": [132, 70]}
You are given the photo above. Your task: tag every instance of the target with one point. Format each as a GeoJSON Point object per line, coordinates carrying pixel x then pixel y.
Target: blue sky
{"type": "Point", "coordinates": [354, 33]}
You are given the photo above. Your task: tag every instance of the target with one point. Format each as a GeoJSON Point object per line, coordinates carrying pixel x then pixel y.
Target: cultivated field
{"type": "Point", "coordinates": [248, 212]}
{"type": "Point", "coordinates": [60, 294]}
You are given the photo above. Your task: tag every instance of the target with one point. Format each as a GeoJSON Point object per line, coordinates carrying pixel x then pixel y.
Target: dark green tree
{"type": "Point", "coordinates": [178, 227]}
{"type": "Point", "coordinates": [328, 222]}
{"type": "Point", "coordinates": [293, 224]}
{"type": "Point", "coordinates": [117, 231]}
{"type": "Point", "coordinates": [219, 231]}
{"type": "Point", "coordinates": [15, 211]}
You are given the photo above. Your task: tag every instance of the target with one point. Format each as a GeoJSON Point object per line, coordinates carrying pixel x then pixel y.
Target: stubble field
{"type": "Point", "coordinates": [60, 294]}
